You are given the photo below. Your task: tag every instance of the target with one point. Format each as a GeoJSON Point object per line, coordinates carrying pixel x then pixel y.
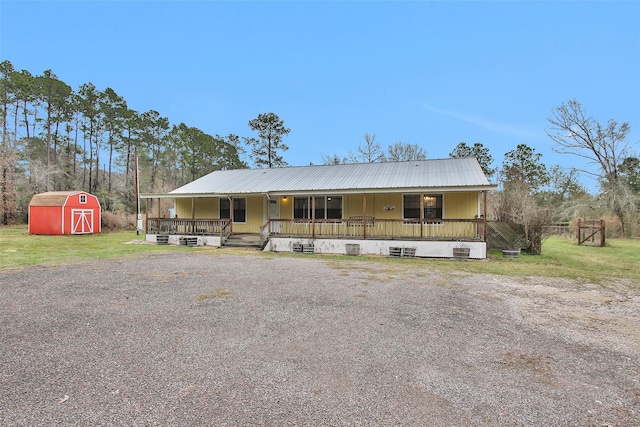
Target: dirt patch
{"type": "Point", "coordinates": [218, 338]}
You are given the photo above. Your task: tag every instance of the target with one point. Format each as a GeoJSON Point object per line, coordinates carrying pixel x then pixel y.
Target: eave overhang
{"type": "Point", "coordinates": [454, 189]}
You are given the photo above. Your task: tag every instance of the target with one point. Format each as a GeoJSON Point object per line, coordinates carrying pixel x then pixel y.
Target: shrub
{"type": "Point", "coordinates": [117, 221]}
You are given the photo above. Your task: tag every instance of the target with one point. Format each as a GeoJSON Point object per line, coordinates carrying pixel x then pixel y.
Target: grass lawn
{"type": "Point", "coordinates": [18, 248]}
{"type": "Point", "coordinates": [620, 259]}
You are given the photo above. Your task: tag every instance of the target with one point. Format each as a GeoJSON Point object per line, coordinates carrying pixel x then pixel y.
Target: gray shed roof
{"type": "Point", "coordinates": [51, 198]}
{"type": "Point", "coordinates": [430, 175]}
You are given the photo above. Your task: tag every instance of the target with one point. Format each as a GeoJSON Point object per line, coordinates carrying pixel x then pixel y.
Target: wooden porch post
{"type": "Point", "coordinates": [313, 216]}
{"type": "Point", "coordinates": [146, 209]}
{"type": "Point", "coordinates": [230, 213]}
{"type": "Point", "coordinates": [268, 224]}
{"type": "Point", "coordinates": [421, 215]}
{"type": "Point", "coordinates": [484, 215]}
{"type": "Point", "coordinates": [193, 213]}
{"type": "Point", "coordinates": [159, 199]}
{"type": "Point", "coordinates": [268, 208]}
{"type": "Point", "coordinates": [364, 216]}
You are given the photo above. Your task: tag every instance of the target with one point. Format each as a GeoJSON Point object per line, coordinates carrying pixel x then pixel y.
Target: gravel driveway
{"type": "Point", "coordinates": [217, 338]}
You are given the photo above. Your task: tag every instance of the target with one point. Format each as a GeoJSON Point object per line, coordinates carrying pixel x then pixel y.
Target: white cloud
{"type": "Point", "coordinates": [489, 124]}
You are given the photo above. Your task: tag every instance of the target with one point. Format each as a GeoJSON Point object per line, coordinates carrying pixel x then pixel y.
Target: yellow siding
{"type": "Point", "coordinates": [204, 208]}
{"type": "Point", "coordinates": [286, 207]}
{"type": "Point", "coordinates": [460, 205]}
{"type": "Point", "coordinates": [352, 205]}
{"type": "Point", "coordinates": [255, 206]}
{"type": "Point", "coordinates": [376, 203]}
{"type": "Point", "coordinates": [183, 208]}
{"type": "Point", "coordinates": [207, 208]}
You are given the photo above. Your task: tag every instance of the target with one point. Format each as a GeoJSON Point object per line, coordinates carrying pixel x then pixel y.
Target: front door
{"type": "Point", "coordinates": [81, 221]}
{"type": "Point", "coordinates": [274, 213]}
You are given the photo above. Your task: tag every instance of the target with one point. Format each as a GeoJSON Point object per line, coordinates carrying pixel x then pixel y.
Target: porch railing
{"type": "Point", "coordinates": [354, 228]}
{"type": "Point", "coordinates": [372, 228]}
{"type": "Point", "coordinates": [193, 227]}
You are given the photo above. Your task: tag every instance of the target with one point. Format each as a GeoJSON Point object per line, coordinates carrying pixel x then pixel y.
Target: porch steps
{"type": "Point", "coordinates": [243, 241]}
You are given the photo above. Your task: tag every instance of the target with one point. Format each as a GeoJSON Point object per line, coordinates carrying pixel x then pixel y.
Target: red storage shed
{"type": "Point", "coordinates": [64, 212]}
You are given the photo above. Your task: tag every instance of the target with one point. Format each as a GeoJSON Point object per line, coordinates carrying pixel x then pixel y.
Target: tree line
{"type": "Point", "coordinates": [58, 138]}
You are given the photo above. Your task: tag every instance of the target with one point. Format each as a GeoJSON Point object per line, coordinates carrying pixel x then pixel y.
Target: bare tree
{"type": "Point", "coordinates": [402, 151]}
{"type": "Point", "coordinates": [370, 152]}
{"type": "Point", "coordinates": [333, 159]}
{"type": "Point", "coordinates": [576, 133]}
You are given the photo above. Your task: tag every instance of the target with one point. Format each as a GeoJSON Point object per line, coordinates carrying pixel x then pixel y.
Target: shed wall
{"type": "Point", "coordinates": [45, 220]}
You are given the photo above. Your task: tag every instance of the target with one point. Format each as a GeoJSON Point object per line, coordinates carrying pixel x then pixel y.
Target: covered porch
{"type": "Point", "coordinates": [374, 228]}
{"type": "Point", "coordinates": [432, 206]}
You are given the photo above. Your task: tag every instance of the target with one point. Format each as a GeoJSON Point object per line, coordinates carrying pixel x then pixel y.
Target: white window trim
{"type": "Point", "coordinates": [246, 210]}
{"type": "Point", "coordinates": [309, 197]}
{"type": "Point", "coordinates": [426, 220]}
{"type": "Point", "coordinates": [82, 199]}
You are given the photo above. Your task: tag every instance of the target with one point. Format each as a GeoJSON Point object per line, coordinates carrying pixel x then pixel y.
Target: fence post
{"type": "Point", "coordinates": [579, 232]}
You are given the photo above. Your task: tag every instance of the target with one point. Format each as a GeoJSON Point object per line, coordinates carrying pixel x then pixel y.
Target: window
{"type": "Point", "coordinates": [432, 206]}
{"type": "Point", "coordinates": [239, 209]}
{"type": "Point", "coordinates": [301, 207]}
{"type": "Point", "coordinates": [83, 198]}
{"type": "Point", "coordinates": [327, 207]}
{"type": "Point", "coordinates": [225, 212]}
{"type": "Point", "coordinates": [411, 203]}
{"type": "Point", "coordinates": [334, 207]}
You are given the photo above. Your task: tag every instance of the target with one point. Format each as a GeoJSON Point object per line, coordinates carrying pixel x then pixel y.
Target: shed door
{"type": "Point", "coordinates": [81, 221]}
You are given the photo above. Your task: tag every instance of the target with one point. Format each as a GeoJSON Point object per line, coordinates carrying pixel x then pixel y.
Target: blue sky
{"type": "Point", "coordinates": [420, 72]}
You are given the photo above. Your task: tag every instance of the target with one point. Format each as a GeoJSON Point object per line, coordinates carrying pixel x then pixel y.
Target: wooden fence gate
{"type": "Point", "coordinates": [591, 232]}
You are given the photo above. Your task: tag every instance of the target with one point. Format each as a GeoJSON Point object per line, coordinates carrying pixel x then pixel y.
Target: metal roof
{"type": "Point", "coordinates": [440, 174]}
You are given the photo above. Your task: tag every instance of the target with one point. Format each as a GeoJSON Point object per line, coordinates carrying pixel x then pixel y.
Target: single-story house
{"type": "Point", "coordinates": [428, 207]}
{"type": "Point", "coordinates": [64, 212]}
